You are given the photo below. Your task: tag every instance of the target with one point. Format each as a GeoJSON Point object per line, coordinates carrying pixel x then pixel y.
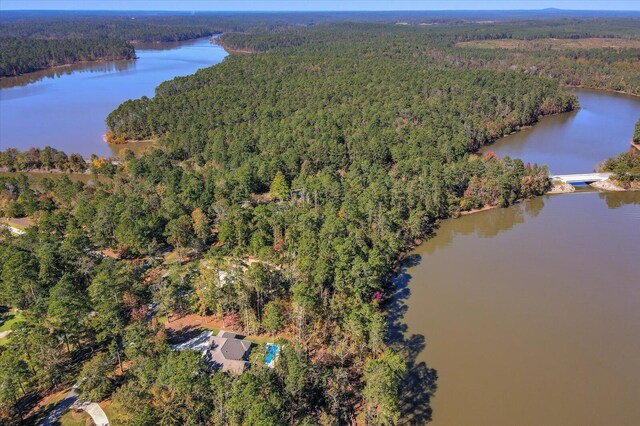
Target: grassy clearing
{"type": "Point", "coordinates": [106, 407]}
{"type": "Point", "coordinates": [10, 318]}
{"type": "Point", "coordinates": [552, 43]}
{"type": "Point", "coordinates": [75, 418]}
{"type": "Point", "coordinates": [259, 340]}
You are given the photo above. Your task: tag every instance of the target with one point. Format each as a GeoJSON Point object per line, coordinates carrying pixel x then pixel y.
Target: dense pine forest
{"type": "Point", "coordinates": [19, 56]}
{"type": "Point", "coordinates": [608, 68]}
{"type": "Point", "coordinates": [445, 31]}
{"type": "Point", "coordinates": [301, 174]}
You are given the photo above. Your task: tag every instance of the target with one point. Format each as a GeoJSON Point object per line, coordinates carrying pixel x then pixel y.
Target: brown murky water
{"type": "Point", "coordinates": [531, 314]}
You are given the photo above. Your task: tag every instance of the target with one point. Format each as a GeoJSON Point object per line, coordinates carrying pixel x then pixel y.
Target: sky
{"type": "Point", "coordinates": [316, 5]}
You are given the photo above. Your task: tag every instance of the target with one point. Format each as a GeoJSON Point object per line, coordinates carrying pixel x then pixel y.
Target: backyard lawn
{"type": "Point", "coordinates": [8, 319]}
{"type": "Point", "coordinates": [75, 418]}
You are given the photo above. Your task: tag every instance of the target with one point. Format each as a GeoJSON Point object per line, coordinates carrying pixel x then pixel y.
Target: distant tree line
{"type": "Point", "coordinates": [19, 56]}
{"type": "Point", "coordinates": [616, 68]}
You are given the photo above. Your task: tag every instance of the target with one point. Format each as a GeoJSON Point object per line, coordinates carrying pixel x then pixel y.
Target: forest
{"type": "Point", "coordinates": [19, 56]}
{"type": "Point", "coordinates": [601, 68]}
{"type": "Point", "coordinates": [47, 158]}
{"type": "Point", "coordinates": [626, 166]}
{"type": "Point", "coordinates": [41, 36]}
{"type": "Point", "coordinates": [301, 174]}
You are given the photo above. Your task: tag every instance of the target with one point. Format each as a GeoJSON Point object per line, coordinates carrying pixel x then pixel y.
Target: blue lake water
{"type": "Point", "coordinates": [577, 141]}
{"type": "Point", "coordinates": [66, 107]}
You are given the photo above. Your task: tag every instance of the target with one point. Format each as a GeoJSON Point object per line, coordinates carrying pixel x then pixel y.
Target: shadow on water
{"type": "Point", "coordinates": [419, 385]}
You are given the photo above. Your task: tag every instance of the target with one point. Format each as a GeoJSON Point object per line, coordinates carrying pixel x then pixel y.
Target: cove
{"type": "Point", "coordinates": [577, 141]}
{"type": "Point", "coordinates": [530, 315]}
{"type": "Point", "coordinates": [66, 107]}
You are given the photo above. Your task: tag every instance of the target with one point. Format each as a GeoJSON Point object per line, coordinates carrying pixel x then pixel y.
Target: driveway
{"type": "Point", "coordinates": [61, 407]}
{"type": "Point", "coordinates": [71, 401]}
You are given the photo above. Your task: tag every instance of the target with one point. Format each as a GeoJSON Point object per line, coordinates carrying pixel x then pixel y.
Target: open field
{"type": "Point", "coordinates": [552, 43]}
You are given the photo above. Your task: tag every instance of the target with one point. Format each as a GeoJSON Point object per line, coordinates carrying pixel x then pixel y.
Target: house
{"type": "Point", "coordinates": [224, 351]}
{"type": "Point", "coordinates": [228, 353]}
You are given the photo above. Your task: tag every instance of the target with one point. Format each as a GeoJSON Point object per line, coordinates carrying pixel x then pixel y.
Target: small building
{"type": "Point", "coordinates": [17, 225]}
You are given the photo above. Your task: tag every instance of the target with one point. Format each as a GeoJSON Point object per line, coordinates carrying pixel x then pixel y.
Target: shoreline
{"type": "Point", "coordinates": [620, 92]}
{"type": "Point", "coordinates": [230, 50]}
{"type": "Point", "coordinates": [135, 44]}
{"type": "Point", "coordinates": [564, 188]}
{"type": "Point", "coordinates": [59, 67]}
{"type": "Point", "coordinates": [525, 127]}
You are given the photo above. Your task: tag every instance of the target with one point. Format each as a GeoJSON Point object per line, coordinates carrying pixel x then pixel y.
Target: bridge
{"type": "Point", "coordinates": [582, 178]}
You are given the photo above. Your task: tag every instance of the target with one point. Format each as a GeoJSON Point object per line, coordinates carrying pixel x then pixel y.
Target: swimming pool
{"type": "Point", "coordinates": [271, 354]}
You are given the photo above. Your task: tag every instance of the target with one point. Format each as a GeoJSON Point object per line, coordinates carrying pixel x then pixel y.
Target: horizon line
{"type": "Point", "coordinates": [324, 10]}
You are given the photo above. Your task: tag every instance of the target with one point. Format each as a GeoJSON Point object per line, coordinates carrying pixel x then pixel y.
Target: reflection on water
{"type": "Point", "coordinates": [616, 200]}
{"type": "Point", "coordinates": [165, 45]}
{"type": "Point", "coordinates": [576, 142]}
{"type": "Point", "coordinates": [487, 225]}
{"type": "Point", "coordinates": [53, 73]}
{"type": "Point", "coordinates": [66, 107]}
{"type": "Point", "coordinates": [537, 325]}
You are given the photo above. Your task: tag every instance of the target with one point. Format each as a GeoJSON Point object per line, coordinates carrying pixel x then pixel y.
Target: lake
{"type": "Point", "coordinates": [66, 107]}
{"type": "Point", "coordinates": [577, 141]}
{"type": "Point", "coordinates": [531, 315]}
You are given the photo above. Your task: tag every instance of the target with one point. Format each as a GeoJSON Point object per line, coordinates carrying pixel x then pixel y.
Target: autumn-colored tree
{"type": "Point", "coordinates": [200, 224]}
{"type": "Point", "coordinates": [279, 188]}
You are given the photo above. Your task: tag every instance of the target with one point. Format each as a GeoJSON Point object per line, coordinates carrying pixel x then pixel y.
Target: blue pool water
{"type": "Point", "coordinates": [272, 352]}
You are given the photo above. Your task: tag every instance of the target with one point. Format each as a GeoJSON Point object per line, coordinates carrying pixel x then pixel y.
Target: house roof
{"type": "Point", "coordinates": [229, 352]}
{"type": "Point", "coordinates": [234, 349]}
